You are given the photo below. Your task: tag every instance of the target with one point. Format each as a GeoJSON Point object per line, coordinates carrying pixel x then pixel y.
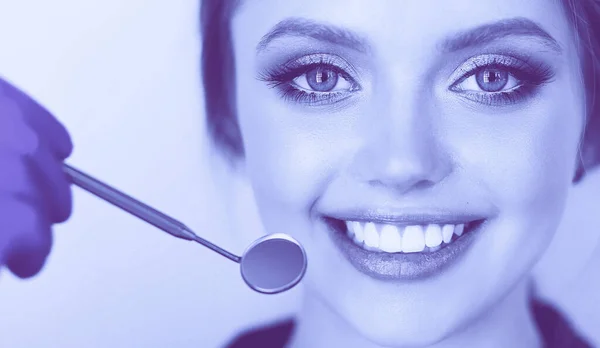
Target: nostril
{"type": "Point", "coordinates": [403, 185]}
{"type": "Point", "coordinates": [402, 167]}
{"type": "Point", "coordinates": [424, 184]}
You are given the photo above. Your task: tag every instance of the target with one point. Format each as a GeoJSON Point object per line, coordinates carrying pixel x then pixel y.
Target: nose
{"type": "Point", "coordinates": [402, 153]}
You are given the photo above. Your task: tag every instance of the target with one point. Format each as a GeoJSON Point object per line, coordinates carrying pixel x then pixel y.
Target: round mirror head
{"type": "Point", "coordinates": [273, 264]}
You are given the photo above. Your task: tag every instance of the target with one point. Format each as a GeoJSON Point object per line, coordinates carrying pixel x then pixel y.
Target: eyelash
{"type": "Point", "coordinates": [282, 78]}
{"type": "Point", "coordinates": [530, 76]}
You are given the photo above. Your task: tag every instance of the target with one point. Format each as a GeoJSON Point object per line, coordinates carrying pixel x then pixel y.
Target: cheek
{"type": "Point", "coordinates": [526, 161]}
{"type": "Point", "coordinates": [290, 156]}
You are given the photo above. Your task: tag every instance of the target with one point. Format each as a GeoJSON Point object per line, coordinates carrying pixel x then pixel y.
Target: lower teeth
{"type": "Point", "coordinates": [425, 250]}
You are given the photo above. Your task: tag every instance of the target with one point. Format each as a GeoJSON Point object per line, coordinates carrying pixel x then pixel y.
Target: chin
{"type": "Point", "coordinates": [392, 332]}
{"type": "Point", "coordinates": [401, 322]}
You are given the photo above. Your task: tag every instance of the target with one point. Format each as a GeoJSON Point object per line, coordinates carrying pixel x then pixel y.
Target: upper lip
{"type": "Point", "coordinates": [408, 216]}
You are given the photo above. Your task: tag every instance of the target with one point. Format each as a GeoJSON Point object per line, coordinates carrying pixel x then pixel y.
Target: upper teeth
{"type": "Point", "coordinates": [408, 239]}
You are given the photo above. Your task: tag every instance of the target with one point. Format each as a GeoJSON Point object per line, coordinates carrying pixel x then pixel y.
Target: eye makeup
{"type": "Point", "coordinates": [297, 80]}
{"type": "Point", "coordinates": [522, 77]}
{"type": "Point", "coordinates": [493, 80]}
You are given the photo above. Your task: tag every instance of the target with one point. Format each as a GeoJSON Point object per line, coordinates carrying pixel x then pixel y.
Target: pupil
{"type": "Point", "coordinates": [492, 80]}
{"type": "Point", "coordinates": [322, 79]}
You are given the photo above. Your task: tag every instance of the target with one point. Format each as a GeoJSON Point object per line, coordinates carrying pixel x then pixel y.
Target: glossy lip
{"type": "Point", "coordinates": [403, 266]}
{"type": "Point", "coordinates": [385, 216]}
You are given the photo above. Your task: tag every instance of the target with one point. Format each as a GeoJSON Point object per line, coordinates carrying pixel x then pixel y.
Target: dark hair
{"type": "Point", "coordinates": [218, 75]}
{"type": "Point", "coordinates": [584, 16]}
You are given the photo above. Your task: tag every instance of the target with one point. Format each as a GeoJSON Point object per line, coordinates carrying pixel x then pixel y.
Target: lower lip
{"type": "Point", "coordinates": [402, 266]}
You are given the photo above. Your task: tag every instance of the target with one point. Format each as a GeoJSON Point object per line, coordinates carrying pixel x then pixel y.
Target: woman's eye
{"type": "Point", "coordinates": [322, 79]}
{"type": "Point", "coordinates": [489, 80]}
{"type": "Point", "coordinates": [314, 80]}
{"type": "Point", "coordinates": [500, 80]}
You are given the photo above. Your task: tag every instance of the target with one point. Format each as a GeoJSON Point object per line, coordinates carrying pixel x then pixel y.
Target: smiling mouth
{"type": "Point", "coordinates": [408, 248]}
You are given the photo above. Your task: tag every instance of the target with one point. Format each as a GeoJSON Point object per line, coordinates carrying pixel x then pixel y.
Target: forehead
{"type": "Point", "coordinates": [397, 26]}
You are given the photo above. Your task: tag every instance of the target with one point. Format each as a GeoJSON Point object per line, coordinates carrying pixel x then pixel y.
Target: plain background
{"type": "Point", "coordinates": [123, 76]}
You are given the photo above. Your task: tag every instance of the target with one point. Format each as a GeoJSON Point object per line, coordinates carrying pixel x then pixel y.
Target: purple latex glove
{"type": "Point", "coordinates": [34, 191]}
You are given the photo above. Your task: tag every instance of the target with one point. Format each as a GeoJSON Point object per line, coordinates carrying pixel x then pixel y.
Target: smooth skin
{"type": "Point", "coordinates": [34, 192]}
{"type": "Point", "coordinates": [404, 139]}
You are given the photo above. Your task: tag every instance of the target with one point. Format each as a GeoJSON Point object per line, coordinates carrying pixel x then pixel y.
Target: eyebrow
{"type": "Point", "coordinates": [485, 33]}
{"type": "Point", "coordinates": [300, 27]}
{"type": "Point", "coordinates": [478, 36]}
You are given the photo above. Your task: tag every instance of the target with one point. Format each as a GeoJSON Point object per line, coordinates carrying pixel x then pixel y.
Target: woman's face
{"type": "Point", "coordinates": [420, 150]}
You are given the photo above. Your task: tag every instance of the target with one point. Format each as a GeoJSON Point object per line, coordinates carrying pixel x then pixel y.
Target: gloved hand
{"type": "Point", "coordinates": [34, 191]}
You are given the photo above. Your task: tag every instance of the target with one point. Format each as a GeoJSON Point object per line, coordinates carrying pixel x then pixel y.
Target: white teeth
{"type": "Point", "coordinates": [413, 240]}
{"type": "Point", "coordinates": [408, 239]}
{"type": "Point", "coordinates": [359, 234]}
{"type": "Point", "coordinates": [390, 240]}
{"type": "Point", "coordinates": [434, 249]}
{"type": "Point", "coordinates": [459, 229]}
{"type": "Point", "coordinates": [433, 235]}
{"type": "Point", "coordinates": [371, 235]}
{"type": "Point", "coordinates": [447, 231]}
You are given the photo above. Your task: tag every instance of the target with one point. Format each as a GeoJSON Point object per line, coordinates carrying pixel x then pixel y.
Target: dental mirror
{"type": "Point", "coordinates": [273, 264]}
{"type": "Point", "coordinates": [270, 265]}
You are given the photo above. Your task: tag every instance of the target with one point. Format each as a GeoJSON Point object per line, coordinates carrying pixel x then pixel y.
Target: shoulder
{"type": "Point", "coordinates": [556, 330]}
{"type": "Point", "coordinates": [272, 336]}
